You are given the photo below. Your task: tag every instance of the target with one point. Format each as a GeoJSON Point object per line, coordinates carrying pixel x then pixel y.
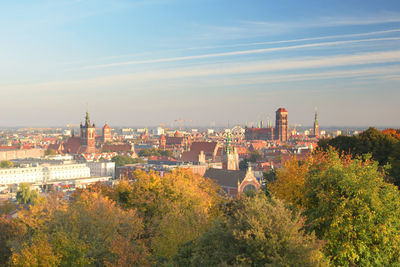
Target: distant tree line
{"type": "Point", "coordinates": [383, 146]}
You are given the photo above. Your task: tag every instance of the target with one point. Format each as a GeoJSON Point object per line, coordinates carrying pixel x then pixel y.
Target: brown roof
{"type": "Point", "coordinates": [190, 156]}
{"type": "Point", "coordinates": [174, 140]}
{"type": "Point", "coordinates": [72, 145]}
{"type": "Point", "coordinates": [229, 178]}
{"type": "Point", "coordinates": [206, 147]}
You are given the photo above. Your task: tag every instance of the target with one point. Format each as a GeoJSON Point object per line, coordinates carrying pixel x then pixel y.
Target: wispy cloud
{"type": "Point", "coordinates": [339, 36]}
{"type": "Point", "coordinates": [252, 29]}
{"type": "Point", "coordinates": [267, 71]}
{"type": "Point", "coordinates": [242, 52]}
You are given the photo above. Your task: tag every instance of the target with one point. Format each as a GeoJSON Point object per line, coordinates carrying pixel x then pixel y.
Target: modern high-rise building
{"type": "Point", "coordinates": [282, 125]}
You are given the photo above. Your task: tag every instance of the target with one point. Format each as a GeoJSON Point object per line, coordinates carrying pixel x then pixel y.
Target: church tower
{"type": "Point", "coordinates": [316, 124]}
{"type": "Point", "coordinates": [231, 157]}
{"type": "Point", "coordinates": [88, 135]}
{"type": "Point", "coordinates": [282, 125]}
{"type": "Point", "coordinates": [106, 133]}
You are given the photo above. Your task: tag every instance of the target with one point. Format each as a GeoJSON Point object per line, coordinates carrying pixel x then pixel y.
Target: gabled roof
{"type": "Point", "coordinates": [174, 140]}
{"type": "Point", "coordinates": [190, 156]}
{"type": "Point", "coordinates": [206, 147]}
{"type": "Point", "coordinates": [72, 145]}
{"type": "Point", "coordinates": [227, 178]}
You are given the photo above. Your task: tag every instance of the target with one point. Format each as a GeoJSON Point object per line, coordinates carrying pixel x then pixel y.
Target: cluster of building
{"type": "Point", "coordinates": [234, 158]}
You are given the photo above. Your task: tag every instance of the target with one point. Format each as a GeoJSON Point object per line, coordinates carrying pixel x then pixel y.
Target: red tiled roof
{"type": "Point", "coordinates": [190, 156]}
{"type": "Point", "coordinates": [281, 110]}
{"type": "Point", "coordinates": [72, 145]}
{"type": "Point", "coordinates": [206, 147]}
{"type": "Point", "coordinates": [8, 147]}
{"type": "Point", "coordinates": [258, 146]}
{"type": "Point", "coordinates": [174, 140]}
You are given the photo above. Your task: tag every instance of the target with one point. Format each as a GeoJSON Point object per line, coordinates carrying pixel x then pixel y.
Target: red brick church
{"type": "Point", "coordinates": [88, 142]}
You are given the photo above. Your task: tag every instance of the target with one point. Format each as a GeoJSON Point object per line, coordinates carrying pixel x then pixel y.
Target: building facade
{"type": "Point", "coordinates": [101, 169]}
{"type": "Point", "coordinates": [43, 173]}
{"type": "Point", "coordinates": [282, 125]}
{"type": "Point", "coordinates": [269, 133]}
{"type": "Point", "coordinates": [88, 136]}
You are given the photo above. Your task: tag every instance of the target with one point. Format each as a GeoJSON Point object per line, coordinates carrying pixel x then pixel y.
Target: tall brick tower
{"type": "Point", "coordinates": [281, 125]}
{"type": "Point", "coordinates": [316, 124]}
{"type": "Point", "coordinates": [106, 133]}
{"type": "Point", "coordinates": [88, 135]}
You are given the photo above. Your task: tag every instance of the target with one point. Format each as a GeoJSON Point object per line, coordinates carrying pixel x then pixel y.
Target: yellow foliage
{"type": "Point", "coordinates": [290, 181]}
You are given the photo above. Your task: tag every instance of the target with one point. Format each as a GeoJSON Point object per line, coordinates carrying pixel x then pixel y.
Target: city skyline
{"type": "Point", "coordinates": [151, 62]}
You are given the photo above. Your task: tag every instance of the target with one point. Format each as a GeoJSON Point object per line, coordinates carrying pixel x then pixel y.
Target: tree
{"type": "Point", "coordinates": [175, 208]}
{"type": "Point", "coordinates": [88, 231]}
{"type": "Point", "coordinates": [11, 232]}
{"type": "Point", "coordinates": [4, 164]}
{"type": "Point", "coordinates": [290, 181]}
{"type": "Point", "coordinates": [392, 132]}
{"type": "Point", "coordinates": [372, 141]}
{"type": "Point", "coordinates": [25, 195]}
{"type": "Point", "coordinates": [348, 205]}
{"type": "Point", "coordinates": [6, 207]}
{"type": "Point", "coordinates": [148, 152]}
{"type": "Point", "coordinates": [255, 156]}
{"type": "Point", "coordinates": [244, 164]}
{"type": "Point", "coordinates": [381, 145]}
{"type": "Point", "coordinates": [121, 160]}
{"type": "Point", "coordinates": [254, 231]}
{"type": "Point", "coordinates": [50, 152]}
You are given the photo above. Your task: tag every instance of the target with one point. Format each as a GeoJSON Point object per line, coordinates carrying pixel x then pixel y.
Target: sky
{"type": "Point", "coordinates": [207, 62]}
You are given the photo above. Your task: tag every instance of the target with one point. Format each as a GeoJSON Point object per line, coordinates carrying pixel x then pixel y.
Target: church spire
{"type": "Point", "coordinates": [316, 124]}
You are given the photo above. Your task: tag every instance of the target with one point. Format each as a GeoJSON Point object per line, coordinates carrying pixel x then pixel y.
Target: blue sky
{"type": "Point", "coordinates": [207, 61]}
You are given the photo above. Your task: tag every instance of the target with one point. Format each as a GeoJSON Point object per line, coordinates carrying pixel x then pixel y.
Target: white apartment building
{"type": "Point", "coordinates": [63, 172]}
{"type": "Point", "coordinates": [43, 173]}
{"type": "Point", "coordinates": [102, 169]}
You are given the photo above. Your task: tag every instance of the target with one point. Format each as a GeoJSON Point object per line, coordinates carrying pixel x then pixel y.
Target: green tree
{"type": "Point", "coordinates": [148, 152]}
{"type": "Point", "coordinates": [12, 232]}
{"type": "Point", "coordinates": [244, 164]}
{"type": "Point", "coordinates": [7, 207]}
{"type": "Point", "coordinates": [4, 164]}
{"type": "Point", "coordinates": [348, 205]}
{"type": "Point", "coordinates": [254, 231]}
{"type": "Point", "coordinates": [175, 208]}
{"type": "Point", "coordinates": [50, 152]}
{"type": "Point", "coordinates": [25, 195]}
{"type": "Point", "coordinates": [255, 156]}
{"type": "Point", "coordinates": [89, 230]}
{"type": "Point", "coordinates": [381, 145]}
{"type": "Point", "coordinates": [121, 160]}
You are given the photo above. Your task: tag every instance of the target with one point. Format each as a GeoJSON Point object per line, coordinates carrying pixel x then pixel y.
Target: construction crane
{"type": "Point", "coordinates": [180, 122]}
{"type": "Point", "coordinates": [72, 125]}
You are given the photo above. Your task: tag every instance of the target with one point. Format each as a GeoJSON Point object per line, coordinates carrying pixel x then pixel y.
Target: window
{"type": "Point", "coordinates": [249, 187]}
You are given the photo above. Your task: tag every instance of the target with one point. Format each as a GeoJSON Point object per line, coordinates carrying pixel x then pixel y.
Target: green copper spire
{"type": "Point", "coordinates": [87, 118]}
{"type": "Point", "coordinates": [228, 141]}
{"type": "Point", "coordinates": [316, 116]}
